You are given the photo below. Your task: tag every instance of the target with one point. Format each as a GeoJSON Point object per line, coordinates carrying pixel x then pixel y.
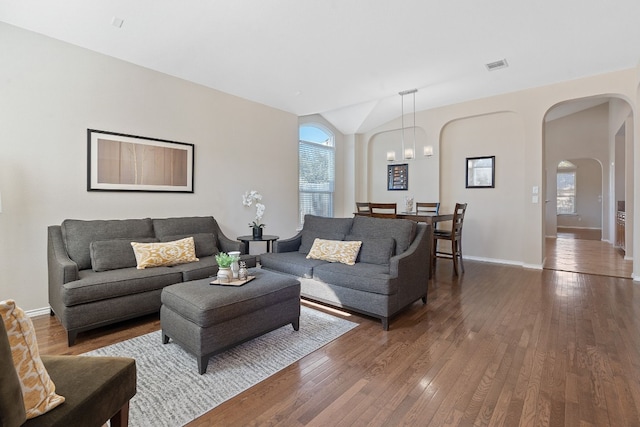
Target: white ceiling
{"type": "Point", "coordinates": [348, 59]}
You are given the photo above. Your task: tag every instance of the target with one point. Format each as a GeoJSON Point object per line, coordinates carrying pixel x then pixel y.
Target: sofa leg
{"type": "Point", "coordinates": [121, 418]}
{"type": "Point", "coordinates": [71, 337]}
{"type": "Point", "coordinates": [424, 299]}
{"type": "Point", "coordinates": [165, 339]}
{"type": "Point", "coordinates": [385, 323]}
{"type": "Point", "coordinates": [51, 313]}
{"type": "Point", "coordinates": [296, 324]}
{"type": "Point", "coordinates": [203, 362]}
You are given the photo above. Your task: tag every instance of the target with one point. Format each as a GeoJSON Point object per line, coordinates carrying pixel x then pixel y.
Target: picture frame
{"type": "Point", "coordinates": [122, 162]}
{"type": "Point", "coordinates": [398, 177]}
{"type": "Point", "coordinates": [480, 172]}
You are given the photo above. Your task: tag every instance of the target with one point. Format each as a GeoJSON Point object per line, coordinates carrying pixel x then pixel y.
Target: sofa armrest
{"type": "Point", "coordinates": [291, 244]}
{"type": "Point", "coordinates": [411, 268]}
{"type": "Point", "coordinates": [228, 245]}
{"type": "Point", "coordinates": [60, 267]}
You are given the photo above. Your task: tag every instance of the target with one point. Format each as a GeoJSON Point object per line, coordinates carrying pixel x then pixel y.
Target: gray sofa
{"type": "Point", "coordinates": [390, 273]}
{"type": "Point", "coordinates": [93, 279]}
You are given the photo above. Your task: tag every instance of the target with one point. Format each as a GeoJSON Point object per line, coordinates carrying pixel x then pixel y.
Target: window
{"type": "Point", "coordinates": [566, 199]}
{"type": "Point", "coordinates": [316, 176]}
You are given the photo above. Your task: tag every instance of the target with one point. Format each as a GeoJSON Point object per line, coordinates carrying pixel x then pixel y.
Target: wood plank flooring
{"type": "Point", "coordinates": [498, 346]}
{"type": "Point", "coordinates": [582, 251]}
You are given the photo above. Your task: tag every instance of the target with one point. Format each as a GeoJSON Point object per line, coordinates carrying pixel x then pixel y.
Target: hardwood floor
{"type": "Point", "coordinates": [582, 251]}
{"type": "Point", "coordinates": [499, 346]}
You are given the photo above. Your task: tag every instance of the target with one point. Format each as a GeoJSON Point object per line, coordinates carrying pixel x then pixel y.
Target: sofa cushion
{"type": "Point", "coordinates": [38, 390]}
{"type": "Point", "coordinates": [184, 226]}
{"type": "Point", "coordinates": [374, 251]}
{"type": "Point", "coordinates": [205, 267]}
{"type": "Point", "coordinates": [164, 253]}
{"type": "Point", "coordinates": [113, 254]}
{"type": "Point", "coordinates": [363, 277]}
{"type": "Point", "coordinates": [403, 231]}
{"type": "Point", "coordinates": [206, 243]}
{"type": "Point", "coordinates": [78, 235]}
{"type": "Point", "coordinates": [293, 263]}
{"type": "Point", "coordinates": [335, 251]}
{"type": "Point", "coordinates": [93, 286]}
{"type": "Point", "coordinates": [323, 228]}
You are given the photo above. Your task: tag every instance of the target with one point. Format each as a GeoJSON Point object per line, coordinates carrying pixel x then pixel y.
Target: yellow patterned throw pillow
{"type": "Point", "coordinates": [335, 251]}
{"type": "Point", "coordinates": [38, 391]}
{"type": "Point", "coordinates": [167, 253]}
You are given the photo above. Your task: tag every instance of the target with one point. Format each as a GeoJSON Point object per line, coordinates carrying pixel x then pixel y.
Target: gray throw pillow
{"type": "Point", "coordinates": [114, 254]}
{"type": "Point", "coordinates": [375, 250]}
{"type": "Point", "coordinates": [206, 243]}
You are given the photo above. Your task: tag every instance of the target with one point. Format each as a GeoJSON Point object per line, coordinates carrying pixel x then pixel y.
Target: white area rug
{"type": "Point", "coordinates": [172, 393]}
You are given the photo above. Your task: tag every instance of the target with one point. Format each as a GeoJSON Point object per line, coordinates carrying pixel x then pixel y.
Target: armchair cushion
{"type": "Point", "coordinates": [38, 390]}
{"type": "Point", "coordinates": [95, 388]}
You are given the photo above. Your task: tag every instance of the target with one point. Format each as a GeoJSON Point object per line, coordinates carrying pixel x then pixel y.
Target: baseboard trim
{"type": "Point", "coordinates": [38, 312]}
{"type": "Point", "coordinates": [578, 228]}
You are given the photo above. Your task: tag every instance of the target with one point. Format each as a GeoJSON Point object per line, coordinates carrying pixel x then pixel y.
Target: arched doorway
{"type": "Point", "coordinates": [580, 138]}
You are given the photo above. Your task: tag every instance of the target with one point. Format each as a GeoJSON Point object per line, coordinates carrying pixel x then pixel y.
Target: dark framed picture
{"type": "Point", "coordinates": [120, 162]}
{"type": "Point", "coordinates": [398, 177]}
{"type": "Point", "coordinates": [481, 172]}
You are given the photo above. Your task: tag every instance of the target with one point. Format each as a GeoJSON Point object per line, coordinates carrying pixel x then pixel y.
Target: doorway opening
{"type": "Point", "coordinates": [583, 186]}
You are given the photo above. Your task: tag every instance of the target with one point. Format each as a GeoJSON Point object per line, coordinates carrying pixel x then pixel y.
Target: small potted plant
{"type": "Point", "coordinates": [224, 261]}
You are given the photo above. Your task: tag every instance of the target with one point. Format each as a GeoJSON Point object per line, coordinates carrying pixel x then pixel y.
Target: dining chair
{"type": "Point", "coordinates": [383, 210]}
{"type": "Point", "coordinates": [455, 236]}
{"type": "Point", "coordinates": [362, 208]}
{"type": "Point", "coordinates": [427, 207]}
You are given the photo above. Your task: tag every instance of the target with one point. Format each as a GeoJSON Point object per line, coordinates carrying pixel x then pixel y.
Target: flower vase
{"type": "Point", "coordinates": [257, 232]}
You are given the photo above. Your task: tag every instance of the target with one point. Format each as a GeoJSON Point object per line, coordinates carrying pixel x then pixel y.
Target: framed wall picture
{"type": "Point", "coordinates": [120, 162]}
{"type": "Point", "coordinates": [398, 177]}
{"type": "Point", "coordinates": [481, 172]}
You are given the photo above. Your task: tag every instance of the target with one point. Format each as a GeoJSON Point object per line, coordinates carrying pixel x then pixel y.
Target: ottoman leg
{"type": "Point", "coordinates": [296, 324]}
{"type": "Point", "coordinates": [203, 362]}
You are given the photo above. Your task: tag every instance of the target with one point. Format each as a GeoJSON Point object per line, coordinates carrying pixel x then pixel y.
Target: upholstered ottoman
{"type": "Point", "coordinates": [207, 319]}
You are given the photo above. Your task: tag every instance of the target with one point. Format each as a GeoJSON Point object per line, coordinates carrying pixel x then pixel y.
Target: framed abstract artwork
{"type": "Point", "coordinates": [121, 162]}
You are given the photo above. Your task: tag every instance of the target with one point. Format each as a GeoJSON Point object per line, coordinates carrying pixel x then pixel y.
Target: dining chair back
{"type": "Point", "coordinates": [427, 207]}
{"type": "Point", "coordinates": [455, 236]}
{"type": "Point", "coordinates": [362, 208]}
{"type": "Point", "coordinates": [383, 210]}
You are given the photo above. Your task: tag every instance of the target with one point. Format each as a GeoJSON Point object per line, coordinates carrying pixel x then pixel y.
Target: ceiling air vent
{"type": "Point", "coordinates": [491, 66]}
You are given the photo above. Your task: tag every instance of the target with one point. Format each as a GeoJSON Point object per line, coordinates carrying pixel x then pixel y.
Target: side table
{"type": "Point", "coordinates": [265, 238]}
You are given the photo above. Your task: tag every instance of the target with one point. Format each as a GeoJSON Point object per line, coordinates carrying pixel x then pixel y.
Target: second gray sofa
{"type": "Point", "coordinates": [390, 273]}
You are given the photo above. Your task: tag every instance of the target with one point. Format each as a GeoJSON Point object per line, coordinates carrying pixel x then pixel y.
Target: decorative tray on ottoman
{"type": "Point", "coordinates": [233, 282]}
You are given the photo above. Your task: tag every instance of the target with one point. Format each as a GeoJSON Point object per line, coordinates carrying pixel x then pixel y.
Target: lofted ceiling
{"type": "Point", "coordinates": [348, 59]}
